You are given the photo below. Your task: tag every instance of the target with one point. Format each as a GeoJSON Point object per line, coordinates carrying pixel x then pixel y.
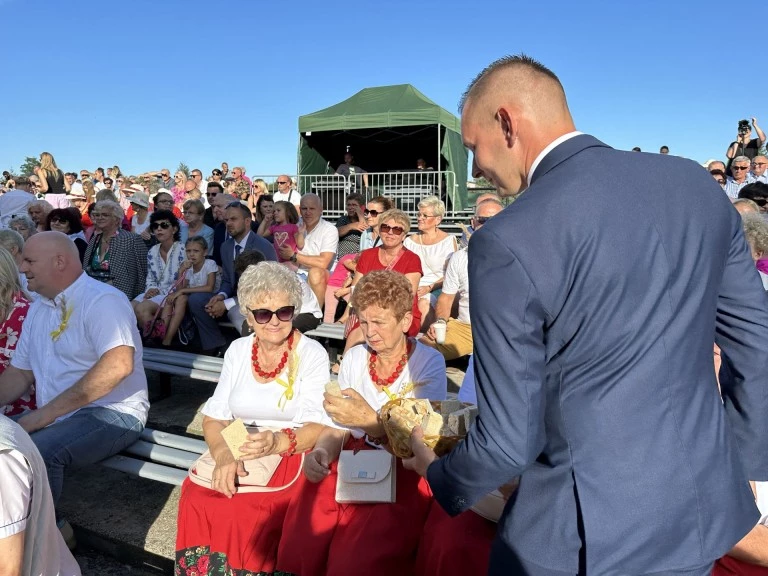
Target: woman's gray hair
{"type": "Point", "coordinates": [434, 204]}
{"type": "Point", "coordinates": [267, 279]}
{"type": "Point", "coordinates": [26, 220]}
{"type": "Point", "coordinates": [46, 206]}
{"type": "Point", "coordinates": [756, 232]}
{"type": "Point", "coordinates": [11, 239]}
{"type": "Point", "coordinates": [109, 206]}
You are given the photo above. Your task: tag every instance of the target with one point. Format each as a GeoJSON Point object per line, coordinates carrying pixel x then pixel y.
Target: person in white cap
{"type": "Point", "coordinates": [140, 221]}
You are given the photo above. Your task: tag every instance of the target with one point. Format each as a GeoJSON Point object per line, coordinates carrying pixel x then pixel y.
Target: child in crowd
{"type": "Point", "coordinates": [202, 275]}
{"type": "Point", "coordinates": [338, 287]}
{"type": "Point", "coordinates": [283, 226]}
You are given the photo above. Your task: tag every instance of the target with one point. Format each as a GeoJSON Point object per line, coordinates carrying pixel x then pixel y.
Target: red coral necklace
{"type": "Point", "coordinates": [280, 365]}
{"type": "Point", "coordinates": [398, 369]}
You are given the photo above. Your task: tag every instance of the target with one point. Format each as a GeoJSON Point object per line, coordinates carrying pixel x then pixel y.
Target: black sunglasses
{"type": "Point", "coordinates": [163, 225]}
{"type": "Point", "coordinates": [57, 220]}
{"type": "Point", "coordinates": [373, 213]}
{"type": "Point", "coordinates": [396, 230]}
{"type": "Point", "coordinates": [214, 194]}
{"type": "Point", "coordinates": [264, 315]}
{"type": "Point", "coordinates": [760, 201]}
{"type": "Point", "coordinates": [739, 167]}
{"type": "Point", "coordinates": [482, 219]}
{"type": "Point", "coordinates": [281, 183]}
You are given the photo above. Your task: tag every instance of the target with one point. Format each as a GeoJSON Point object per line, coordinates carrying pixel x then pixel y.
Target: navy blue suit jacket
{"type": "Point", "coordinates": [595, 300]}
{"type": "Point", "coordinates": [254, 242]}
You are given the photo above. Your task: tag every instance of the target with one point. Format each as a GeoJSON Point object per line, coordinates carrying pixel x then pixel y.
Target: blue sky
{"type": "Point", "coordinates": [148, 83]}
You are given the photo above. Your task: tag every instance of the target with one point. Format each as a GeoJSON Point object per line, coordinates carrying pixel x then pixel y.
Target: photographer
{"type": "Point", "coordinates": [744, 146]}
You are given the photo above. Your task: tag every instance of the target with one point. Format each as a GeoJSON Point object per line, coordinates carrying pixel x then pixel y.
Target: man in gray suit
{"type": "Point", "coordinates": [594, 372]}
{"type": "Point", "coordinates": [206, 308]}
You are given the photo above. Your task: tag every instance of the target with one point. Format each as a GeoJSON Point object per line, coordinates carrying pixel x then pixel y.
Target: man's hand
{"type": "Point", "coordinates": [423, 456]}
{"type": "Point", "coordinates": [214, 299]}
{"type": "Point", "coordinates": [423, 290]}
{"type": "Point", "coordinates": [151, 293]}
{"type": "Point", "coordinates": [754, 121]}
{"type": "Point", "coordinates": [316, 465]}
{"type": "Point", "coordinates": [352, 410]}
{"type": "Point", "coordinates": [216, 309]}
{"type": "Point", "coordinates": [35, 420]}
{"type": "Point", "coordinates": [286, 252]}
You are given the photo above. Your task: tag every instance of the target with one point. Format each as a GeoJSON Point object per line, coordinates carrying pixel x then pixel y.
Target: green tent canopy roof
{"type": "Point", "coordinates": [380, 107]}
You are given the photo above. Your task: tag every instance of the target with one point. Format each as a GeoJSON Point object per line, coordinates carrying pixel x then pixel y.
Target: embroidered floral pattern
{"type": "Point", "coordinates": [200, 561]}
{"type": "Point", "coordinates": [10, 331]}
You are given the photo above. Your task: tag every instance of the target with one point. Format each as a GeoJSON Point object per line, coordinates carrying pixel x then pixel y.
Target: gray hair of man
{"type": "Point", "coordinates": [267, 279]}
{"type": "Point", "coordinates": [745, 206]}
{"type": "Point", "coordinates": [110, 206]}
{"type": "Point", "coordinates": [26, 220]}
{"type": "Point", "coordinates": [12, 241]}
{"type": "Point", "coordinates": [742, 159]}
{"type": "Point", "coordinates": [756, 233]}
{"type": "Point", "coordinates": [489, 202]}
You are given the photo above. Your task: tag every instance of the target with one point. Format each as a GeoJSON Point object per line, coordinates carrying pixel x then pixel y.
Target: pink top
{"type": "Point", "coordinates": [284, 235]}
{"type": "Point", "coordinates": [340, 273]}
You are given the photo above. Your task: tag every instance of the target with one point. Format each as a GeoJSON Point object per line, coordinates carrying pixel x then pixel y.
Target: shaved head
{"type": "Point", "coordinates": [510, 113]}
{"type": "Point", "coordinates": [51, 263]}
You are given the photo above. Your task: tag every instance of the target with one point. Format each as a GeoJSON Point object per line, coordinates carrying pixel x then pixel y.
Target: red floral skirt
{"type": "Point", "coordinates": [219, 535]}
{"type": "Point", "coordinates": [322, 537]}
{"type": "Point", "coordinates": [728, 566]}
{"type": "Point", "coordinates": [455, 545]}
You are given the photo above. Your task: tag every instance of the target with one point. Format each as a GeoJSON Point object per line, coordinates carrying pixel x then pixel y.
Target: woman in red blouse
{"type": "Point", "coordinates": [13, 310]}
{"type": "Point", "coordinates": [394, 226]}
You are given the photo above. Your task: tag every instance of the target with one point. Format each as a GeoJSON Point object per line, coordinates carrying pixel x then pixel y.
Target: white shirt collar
{"type": "Point", "coordinates": [551, 146]}
{"type": "Point", "coordinates": [244, 241]}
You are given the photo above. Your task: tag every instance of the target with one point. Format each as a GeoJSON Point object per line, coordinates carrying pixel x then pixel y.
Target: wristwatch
{"type": "Point", "coordinates": [293, 257]}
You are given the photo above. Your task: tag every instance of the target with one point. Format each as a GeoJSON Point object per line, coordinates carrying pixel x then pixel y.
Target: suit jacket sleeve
{"type": "Point", "coordinates": [509, 374]}
{"type": "Point", "coordinates": [742, 334]}
{"type": "Point", "coordinates": [227, 271]}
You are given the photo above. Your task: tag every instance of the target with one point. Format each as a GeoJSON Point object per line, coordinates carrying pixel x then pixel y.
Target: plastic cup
{"type": "Point", "coordinates": [440, 328]}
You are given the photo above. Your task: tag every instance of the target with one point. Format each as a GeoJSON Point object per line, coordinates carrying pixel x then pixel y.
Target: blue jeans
{"type": "Point", "coordinates": [88, 436]}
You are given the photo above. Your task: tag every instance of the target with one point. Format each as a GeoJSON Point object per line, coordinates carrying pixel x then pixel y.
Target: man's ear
{"type": "Point", "coordinates": [508, 125]}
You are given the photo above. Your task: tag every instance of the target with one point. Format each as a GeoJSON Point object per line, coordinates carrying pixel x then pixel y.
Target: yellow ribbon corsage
{"type": "Point", "coordinates": [66, 314]}
{"type": "Point", "coordinates": [293, 370]}
{"type": "Point", "coordinates": [406, 389]}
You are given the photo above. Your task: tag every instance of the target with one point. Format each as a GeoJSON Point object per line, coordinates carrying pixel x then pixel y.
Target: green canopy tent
{"type": "Point", "coordinates": [386, 128]}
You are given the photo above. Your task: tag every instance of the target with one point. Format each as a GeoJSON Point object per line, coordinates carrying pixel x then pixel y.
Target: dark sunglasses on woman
{"type": "Point", "coordinates": [163, 225]}
{"type": "Point", "coordinates": [264, 315]}
{"type": "Point", "coordinates": [373, 213]}
{"type": "Point", "coordinates": [387, 229]}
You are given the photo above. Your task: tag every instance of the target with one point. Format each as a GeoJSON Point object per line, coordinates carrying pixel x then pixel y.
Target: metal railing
{"type": "Point", "coordinates": [406, 189]}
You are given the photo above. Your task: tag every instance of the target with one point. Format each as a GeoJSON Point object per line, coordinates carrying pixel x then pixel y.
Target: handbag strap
{"type": "Point", "coordinates": [261, 489]}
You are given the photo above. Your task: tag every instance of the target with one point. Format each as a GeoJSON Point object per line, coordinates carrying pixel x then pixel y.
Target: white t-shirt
{"type": "Point", "coordinates": [425, 366]}
{"type": "Point", "coordinates": [137, 228]}
{"type": "Point", "coordinates": [309, 303]}
{"type": "Point", "coordinates": [456, 281]}
{"type": "Point", "coordinates": [293, 197]}
{"type": "Point", "coordinates": [197, 279]}
{"type": "Point", "coordinates": [239, 395]}
{"type": "Point", "coordinates": [433, 257]}
{"type": "Point", "coordinates": [762, 501]}
{"type": "Point", "coordinates": [15, 501]}
{"type": "Point", "coordinates": [323, 238]}
{"type": "Point", "coordinates": [100, 319]}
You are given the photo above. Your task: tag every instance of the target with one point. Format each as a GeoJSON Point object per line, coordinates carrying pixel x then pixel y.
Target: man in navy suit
{"type": "Point", "coordinates": [594, 372]}
{"type": "Point", "coordinates": [207, 308]}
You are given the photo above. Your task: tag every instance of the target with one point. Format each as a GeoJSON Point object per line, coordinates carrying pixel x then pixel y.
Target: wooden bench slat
{"type": "Point", "coordinates": [184, 359]}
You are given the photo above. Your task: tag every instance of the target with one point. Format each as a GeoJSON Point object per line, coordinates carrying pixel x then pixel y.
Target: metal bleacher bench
{"type": "Point", "coordinates": [165, 457]}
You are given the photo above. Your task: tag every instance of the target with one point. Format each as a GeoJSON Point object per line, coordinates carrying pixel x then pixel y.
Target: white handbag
{"type": "Point", "coordinates": [366, 477]}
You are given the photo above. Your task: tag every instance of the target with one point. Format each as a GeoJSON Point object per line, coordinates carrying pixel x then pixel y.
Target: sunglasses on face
{"type": "Point", "coordinates": [760, 201]}
{"type": "Point", "coordinates": [373, 213]}
{"type": "Point", "coordinates": [163, 225]}
{"type": "Point", "coordinates": [396, 230]}
{"type": "Point", "coordinates": [482, 219]}
{"type": "Point", "coordinates": [740, 168]}
{"type": "Point", "coordinates": [264, 315]}
{"type": "Point", "coordinates": [212, 194]}
{"type": "Point", "coordinates": [281, 183]}
{"type": "Point", "coordinates": [58, 221]}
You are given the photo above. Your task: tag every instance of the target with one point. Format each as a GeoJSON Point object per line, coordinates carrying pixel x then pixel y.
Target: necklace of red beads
{"type": "Point", "coordinates": [280, 365]}
{"type": "Point", "coordinates": [398, 369]}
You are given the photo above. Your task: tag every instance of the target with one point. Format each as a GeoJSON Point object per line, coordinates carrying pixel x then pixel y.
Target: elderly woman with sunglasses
{"type": "Point", "coordinates": [388, 365]}
{"type": "Point", "coordinates": [273, 381]}
{"type": "Point", "coordinates": [163, 262]}
{"type": "Point", "coordinates": [391, 254]}
{"type": "Point", "coordinates": [115, 256]}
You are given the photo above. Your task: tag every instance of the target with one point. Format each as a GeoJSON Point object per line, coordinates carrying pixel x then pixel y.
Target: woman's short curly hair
{"type": "Point", "coordinates": [398, 216]}
{"type": "Point", "coordinates": [267, 279]}
{"type": "Point", "coordinates": [113, 207]}
{"type": "Point", "coordinates": [434, 205]}
{"type": "Point", "coordinates": [386, 289]}
{"type": "Point", "coordinates": [160, 215]}
{"type": "Point", "coordinates": [756, 232]}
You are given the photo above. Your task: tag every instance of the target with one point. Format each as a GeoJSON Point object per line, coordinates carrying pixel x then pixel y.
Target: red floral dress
{"type": "Point", "coordinates": [10, 332]}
